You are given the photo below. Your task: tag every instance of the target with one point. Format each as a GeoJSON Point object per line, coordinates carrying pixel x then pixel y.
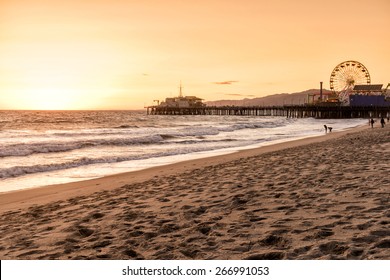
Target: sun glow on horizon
{"type": "Point", "coordinates": [48, 98]}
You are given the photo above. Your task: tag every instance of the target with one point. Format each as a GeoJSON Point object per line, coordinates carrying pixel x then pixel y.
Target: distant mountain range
{"type": "Point", "coordinates": [271, 100]}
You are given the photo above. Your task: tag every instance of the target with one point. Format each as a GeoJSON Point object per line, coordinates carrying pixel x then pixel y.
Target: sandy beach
{"type": "Point", "coordinates": [324, 197]}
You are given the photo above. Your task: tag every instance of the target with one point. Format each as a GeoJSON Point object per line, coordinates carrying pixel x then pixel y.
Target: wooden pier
{"type": "Point", "coordinates": [291, 111]}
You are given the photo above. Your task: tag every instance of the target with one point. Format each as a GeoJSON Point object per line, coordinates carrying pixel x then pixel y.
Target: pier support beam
{"type": "Point", "coordinates": [300, 111]}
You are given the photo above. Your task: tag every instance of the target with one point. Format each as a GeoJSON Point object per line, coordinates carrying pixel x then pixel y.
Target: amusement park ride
{"type": "Point", "coordinates": [351, 78]}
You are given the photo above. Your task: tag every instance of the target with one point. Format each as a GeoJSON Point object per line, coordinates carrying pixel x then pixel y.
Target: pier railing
{"type": "Point", "coordinates": [289, 111]}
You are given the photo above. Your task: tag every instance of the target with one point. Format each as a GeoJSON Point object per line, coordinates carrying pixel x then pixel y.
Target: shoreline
{"type": "Point", "coordinates": [323, 197]}
{"type": "Point", "coordinates": [43, 175]}
{"type": "Point", "coordinates": [40, 194]}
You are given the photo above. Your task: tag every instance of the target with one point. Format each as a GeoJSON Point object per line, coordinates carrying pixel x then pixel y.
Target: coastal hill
{"type": "Point", "coordinates": [270, 100]}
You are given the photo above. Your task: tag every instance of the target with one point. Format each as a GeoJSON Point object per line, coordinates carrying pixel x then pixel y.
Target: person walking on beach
{"type": "Point", "coordinates": [326, 128]}
{"type": "Point", "coordinates": [372, 123]}
{"type": "Point", "coordinates": [383, 122]}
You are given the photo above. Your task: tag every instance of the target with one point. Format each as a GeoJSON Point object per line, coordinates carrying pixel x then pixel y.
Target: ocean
{"type": "Point", "coordinates": [39, 148]}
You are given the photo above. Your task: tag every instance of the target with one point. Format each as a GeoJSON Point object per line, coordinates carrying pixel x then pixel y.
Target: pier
{"type": "Point", "coordinates": [289, 111]}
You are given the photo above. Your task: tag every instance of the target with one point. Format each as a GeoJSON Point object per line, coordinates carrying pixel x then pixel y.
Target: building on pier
{"type": "Point", "coordinates": [182, 101]}
{"type": "Point", "coordinates": [369, 95]}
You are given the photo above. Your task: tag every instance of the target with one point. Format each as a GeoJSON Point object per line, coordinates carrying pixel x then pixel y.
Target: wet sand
{"type": "Point", "coordinates": [324, 197]}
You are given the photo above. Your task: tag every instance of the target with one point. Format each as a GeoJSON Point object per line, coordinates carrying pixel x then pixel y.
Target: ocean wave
{"type": "Point", "coordinates": [26, 149]}
{"type": "Point", "coordinates": [213, 130]}
{"type": "Point", "coordinates": [17, 171]}
{"type": "Point", "coordinates": [126, 126]}
{"type": "Point", "coordinates": [68, 141]}
{"type": "Point", "coordinates": [168, 136]}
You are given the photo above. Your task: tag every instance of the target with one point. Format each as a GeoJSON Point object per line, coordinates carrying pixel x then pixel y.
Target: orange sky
{"type": "Point", "coordinates": [123, 54]}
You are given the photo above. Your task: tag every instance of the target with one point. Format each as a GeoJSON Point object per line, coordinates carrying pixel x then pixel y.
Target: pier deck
{"type": "Point", "coordinates": [293, 111]}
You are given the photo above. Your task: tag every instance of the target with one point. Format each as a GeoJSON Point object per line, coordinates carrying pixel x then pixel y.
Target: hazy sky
{"type": "Point", "coordinates": [123, 54]}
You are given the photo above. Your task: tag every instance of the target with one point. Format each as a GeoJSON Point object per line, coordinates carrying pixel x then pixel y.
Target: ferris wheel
{"type": "Point", "coordinates": [346, 75]}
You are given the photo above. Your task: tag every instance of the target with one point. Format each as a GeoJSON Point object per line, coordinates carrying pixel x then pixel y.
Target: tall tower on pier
{"type": "Point", "coordinates": [180, 90]}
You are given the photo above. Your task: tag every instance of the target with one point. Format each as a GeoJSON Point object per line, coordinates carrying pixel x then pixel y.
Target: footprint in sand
{"type": "Point", "coordinates": [267, 256]}
{"type": "Point", "coordinates": [333, 248]}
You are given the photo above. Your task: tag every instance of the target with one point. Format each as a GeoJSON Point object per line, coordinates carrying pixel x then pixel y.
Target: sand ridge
{"type": "Point", "coordinates": [324, 200]}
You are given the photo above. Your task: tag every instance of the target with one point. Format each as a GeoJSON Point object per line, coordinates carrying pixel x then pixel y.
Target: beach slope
{"type": "Point", "coordinates": [320, 198]}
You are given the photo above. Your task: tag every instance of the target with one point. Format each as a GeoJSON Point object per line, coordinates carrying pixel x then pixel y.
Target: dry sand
{"type": "Point", "coordinates": [320, 198]}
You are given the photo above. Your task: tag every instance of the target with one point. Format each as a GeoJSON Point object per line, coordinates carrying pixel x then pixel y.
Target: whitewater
{"type": "Point", "coordinates": [39, 148]}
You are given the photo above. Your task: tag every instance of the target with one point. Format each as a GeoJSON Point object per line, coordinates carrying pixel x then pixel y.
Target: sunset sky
{"type": "Point", "coordinates": [123, 54]}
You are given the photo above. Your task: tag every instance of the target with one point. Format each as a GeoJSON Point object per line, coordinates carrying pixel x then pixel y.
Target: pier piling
{"type": "Point", "coordinates": [296, 111]}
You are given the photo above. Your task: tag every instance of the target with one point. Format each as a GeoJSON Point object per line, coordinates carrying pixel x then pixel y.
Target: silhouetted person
{"type": "Point", "coordinates": [326, 128]}
{"type": "Point", "coordinates": [382, 122]}
{"type": "Point", "coordinates": [372, 123]}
